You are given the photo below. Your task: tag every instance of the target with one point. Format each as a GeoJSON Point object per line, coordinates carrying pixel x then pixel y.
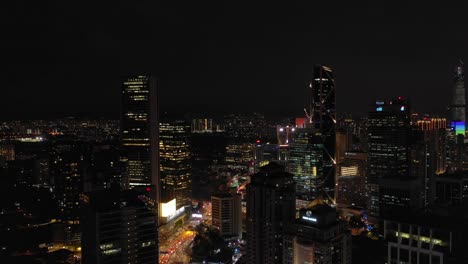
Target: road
{"type": "Point", "coordinates": [175, 242]}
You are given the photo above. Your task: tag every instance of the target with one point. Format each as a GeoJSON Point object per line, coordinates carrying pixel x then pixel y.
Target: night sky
{"type": "Point", "coordinates": [68, 56]}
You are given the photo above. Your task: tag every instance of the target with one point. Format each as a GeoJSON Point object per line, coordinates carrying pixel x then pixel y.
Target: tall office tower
{"type": "Point", "coordinates": [323, 121]}
{"type": "Point", "coordinates": [227, 214]}
{"type": "Point", "coordinates": [203, 125]}
{"type": "Point", "coordinates": [428, 154]}
{"type": "Point", "coordinates": [458, 115]}
{"type": "Point", "coordinates": [119, 227]}
{"type": "Point", "coordinates": [388, 140]}
{"type": "Point", "coordinates": [317, 236]}
{"type": "Point", "coordinates": [306, 163]}
{"type": "Point", "coordinates": [175, 164]}
{"type": "Point", "coordinates": [270, 208]}
{"type": "Point", "coordinates": [312, 152]}
{"type": "Point", "coordinates": [139, 132]}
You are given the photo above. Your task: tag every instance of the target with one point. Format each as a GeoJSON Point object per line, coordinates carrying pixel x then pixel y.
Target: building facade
{"type": "Point", "coordinates": [139, 132]}
{"type": "Point", "coordinates": [226, 214]}
{"type": "Point", "coordinates": [318, 236]}
{"type": "Point", "coordinates": [270, 208]}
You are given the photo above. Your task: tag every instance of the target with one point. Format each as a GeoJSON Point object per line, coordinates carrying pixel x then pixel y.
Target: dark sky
{"type": "Point", "coordinates": [68, 56]}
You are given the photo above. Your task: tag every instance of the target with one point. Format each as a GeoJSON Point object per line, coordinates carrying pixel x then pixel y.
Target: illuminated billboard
{"type": "Point", "coordinates": [169, 208]}
{"type": "Point", "coordinates": [459, 127]}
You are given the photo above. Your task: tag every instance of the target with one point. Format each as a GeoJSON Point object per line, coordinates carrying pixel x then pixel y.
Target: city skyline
{"type": "Point", "coordinates": [226, 56]}
{"type": "Point", "coordinates": [160, 132]}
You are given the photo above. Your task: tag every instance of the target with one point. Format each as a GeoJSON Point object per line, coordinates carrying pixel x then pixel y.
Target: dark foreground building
{"type": "Point", "coordinates": [119, 227]}
{"type": "Point", "coordinates": [270, 208]}
{"type": "Point", "coordinates": [317, 236]}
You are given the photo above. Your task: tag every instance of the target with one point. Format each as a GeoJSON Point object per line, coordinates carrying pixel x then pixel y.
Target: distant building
{"type": "Point", "coordinates": [205, 125]}
{"type": "Point", "coordinates": [266, 153]}
{"type": "Point", "coordinates": [239, 155]}
{"type": "Point", "coordinates": [7, 151]}
{"type": "Point", "coordinates": [226, 214]}
{"type": "Point", "coordinates": [119, 227]}
{"type": "Point", "coordinates": [318, 236]}
{"type": "Point", "coordinates": [270, 208]}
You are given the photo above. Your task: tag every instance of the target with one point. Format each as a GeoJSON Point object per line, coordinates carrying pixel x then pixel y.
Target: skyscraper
{"type": "Point", "coordinates": [458, 114]}
{"type": "Point", "coordinates": [312, 150]}
{"type": "Point", "coordinates": [323, 120]}
{"type": "Point", "coordinates": [139, 132]}
{"type": "Point", "coordinates": [388, 140]}
{"type": "Point", "coordinates": [306, 163]}
{"type": "Point", "coordinates": [270, 208]}
{"type": "Point", "coordinates": [175, 165]}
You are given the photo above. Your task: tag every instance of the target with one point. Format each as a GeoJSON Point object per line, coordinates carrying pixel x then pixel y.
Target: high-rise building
{"type": "Point", "coordinates": [388, 141]}
{"type": "Point", "coordinates": [323, 121]}
{"type": "Point", "coordinates": [175, 164]}
{"type": "Point", "coordinates": [428, 154]}
{"type": "Point", "coordinates": [119, 227]}
{"type": "Point", "coordinates": [306, 163]}
{"type": "Point", "coordinates": [458, 114]}
{"type": "Point", "coordinates": [312, 151]}
{"type": "Point", "coordinates": [270, 208]}
{"type": "Point", "coordinates": [226, 214]}
{"type": "Point", "coordinates": [139, 132]}
{"type": "Point", "coordinates": [317, 236]}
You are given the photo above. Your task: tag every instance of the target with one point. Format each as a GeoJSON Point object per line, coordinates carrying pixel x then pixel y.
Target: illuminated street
{"type": "Point", "coordinates": [175, 243]}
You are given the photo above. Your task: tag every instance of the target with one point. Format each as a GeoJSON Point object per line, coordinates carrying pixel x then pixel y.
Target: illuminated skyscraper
{"type": "Point", "coordinates": [388, 151]}
{"type": "Point", "coordinates": [312, 152]}
{"type": "Point", "coordinates": [458, 113]}
{"type": "Point", "coordinates": [139, 132]}
{"type": "Point", "coordinates": [323, 120]}
{"type": "Point", "coordinates": [306, 163]}
{"type": "Point", "coordinates": [175, 165]}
